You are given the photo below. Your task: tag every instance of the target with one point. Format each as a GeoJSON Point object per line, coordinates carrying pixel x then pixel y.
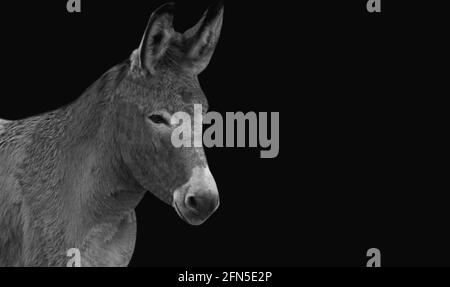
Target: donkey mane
{"type": "Point", "coordinates": [100, 91]}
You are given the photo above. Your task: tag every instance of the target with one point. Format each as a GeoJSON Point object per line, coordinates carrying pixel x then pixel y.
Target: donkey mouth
{"type": "Point", "coordinates": [190, 216]}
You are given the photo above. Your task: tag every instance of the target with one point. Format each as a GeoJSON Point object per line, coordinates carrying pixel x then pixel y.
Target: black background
{"type": "Point", "coordinates": [353, 170]}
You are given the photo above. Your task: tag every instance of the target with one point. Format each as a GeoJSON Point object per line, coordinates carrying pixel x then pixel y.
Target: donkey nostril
{"type": "Point", "coordinates": [201, 203]}
{"type": "Point", "coordinates": [192, 202]}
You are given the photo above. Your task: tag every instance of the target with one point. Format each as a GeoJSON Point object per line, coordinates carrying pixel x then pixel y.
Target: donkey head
{"type": "Point", "coordinates": [161, 81]}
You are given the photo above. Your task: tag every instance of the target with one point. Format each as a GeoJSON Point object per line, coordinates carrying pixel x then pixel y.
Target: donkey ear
{"type": "Point", "coordinates": [156, 38]}
{"type": "Point", "coordinates": [203, 37]}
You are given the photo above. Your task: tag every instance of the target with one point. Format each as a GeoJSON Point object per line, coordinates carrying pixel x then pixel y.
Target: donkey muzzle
{"type": "Point", "coordinates": [196, 200]}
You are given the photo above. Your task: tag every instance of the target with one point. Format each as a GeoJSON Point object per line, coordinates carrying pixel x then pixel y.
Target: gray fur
{"type": "Point", "coordinates": [71, 178]}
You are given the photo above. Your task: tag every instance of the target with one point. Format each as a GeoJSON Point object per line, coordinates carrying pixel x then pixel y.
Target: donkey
{"type": "Point", "coordinates": [71, 178]}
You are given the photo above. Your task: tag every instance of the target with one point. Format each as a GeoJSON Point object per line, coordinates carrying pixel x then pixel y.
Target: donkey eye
{"type": "Point", "coordinates": [158, 119]}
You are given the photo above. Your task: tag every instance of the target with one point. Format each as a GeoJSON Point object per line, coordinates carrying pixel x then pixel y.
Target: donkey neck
{"type": "Point", "coordinates": [102, 184]}
{"type": "Point", "coordinates": [73, 178]}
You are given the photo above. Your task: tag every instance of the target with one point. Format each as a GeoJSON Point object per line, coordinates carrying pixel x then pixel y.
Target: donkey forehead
{"type": "Point", "coordinates": [177, 94]}
{"type": "Point", "coordinates": [169, 92]}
